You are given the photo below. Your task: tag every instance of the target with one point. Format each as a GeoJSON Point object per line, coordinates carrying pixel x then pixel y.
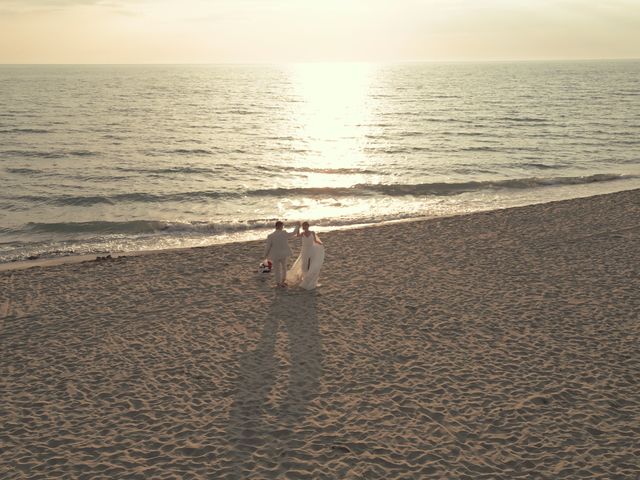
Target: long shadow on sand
{"type": "Point", "coordinates": [271, 401]}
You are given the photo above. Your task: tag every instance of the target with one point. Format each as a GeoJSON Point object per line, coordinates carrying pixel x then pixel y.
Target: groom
{"type": "Point", "coordinates": [277, 249]}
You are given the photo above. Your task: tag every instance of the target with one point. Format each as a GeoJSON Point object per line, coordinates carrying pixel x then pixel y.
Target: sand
{"type": "Point", "coordinates": [495, 345]}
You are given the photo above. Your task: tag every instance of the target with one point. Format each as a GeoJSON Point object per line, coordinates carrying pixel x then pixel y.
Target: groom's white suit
{"type": "Point", "coordinates": [278, 250]}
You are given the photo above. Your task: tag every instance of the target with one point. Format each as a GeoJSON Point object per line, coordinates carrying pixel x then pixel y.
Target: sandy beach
{"type": "Point", "coordinates": [495, 345]}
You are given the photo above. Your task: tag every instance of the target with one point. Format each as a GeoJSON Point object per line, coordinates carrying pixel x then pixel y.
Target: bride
{"type": "Point", "coordinates": [306, 269]}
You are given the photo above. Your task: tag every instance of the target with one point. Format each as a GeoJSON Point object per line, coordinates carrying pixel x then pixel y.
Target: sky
{"type": "Point", "coordinates": [274, 31]}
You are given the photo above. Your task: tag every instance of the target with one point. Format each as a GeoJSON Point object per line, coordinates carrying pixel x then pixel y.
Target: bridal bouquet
{"type": "Point", "coordinates": [265, 267]}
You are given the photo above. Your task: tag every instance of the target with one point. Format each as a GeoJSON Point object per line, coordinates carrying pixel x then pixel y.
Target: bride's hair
{"type": "Point", "coordinates": [305, 225]}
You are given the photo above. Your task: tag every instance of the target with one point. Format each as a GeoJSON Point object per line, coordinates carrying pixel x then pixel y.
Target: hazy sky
{"type": "Point", "coordinates": [247, 31]}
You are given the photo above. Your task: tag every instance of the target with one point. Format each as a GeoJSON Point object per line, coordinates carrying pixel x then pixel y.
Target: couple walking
{"type": "Point", "coordinates": [306, 269]}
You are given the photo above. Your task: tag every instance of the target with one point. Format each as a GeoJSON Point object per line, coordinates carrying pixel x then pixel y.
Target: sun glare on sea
{"type": "Point", "coordinates": [331, 119]}
{"type": "Point", "coordinates": [332, 114]}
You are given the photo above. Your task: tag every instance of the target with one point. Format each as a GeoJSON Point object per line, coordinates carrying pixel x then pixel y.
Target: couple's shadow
{"type": "Point", "coordinates": [272, 396]}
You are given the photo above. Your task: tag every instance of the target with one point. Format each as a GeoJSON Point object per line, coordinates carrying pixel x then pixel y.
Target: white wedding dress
{"type": "Point", "coordinates": [305, 271]}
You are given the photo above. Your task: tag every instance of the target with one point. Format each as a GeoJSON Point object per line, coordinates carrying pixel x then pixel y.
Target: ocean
{"type": "Point", "coordinates": [97, 159]}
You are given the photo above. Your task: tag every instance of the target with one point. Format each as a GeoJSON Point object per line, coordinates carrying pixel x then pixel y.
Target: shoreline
{"type": "Point", "coordinates": [76, 259]}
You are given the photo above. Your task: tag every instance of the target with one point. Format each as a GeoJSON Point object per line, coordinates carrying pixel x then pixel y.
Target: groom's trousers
{"type": "Point", "coordinates": [280, 269]}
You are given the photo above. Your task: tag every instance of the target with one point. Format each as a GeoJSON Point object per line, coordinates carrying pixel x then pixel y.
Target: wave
{"type": "Point", "coordinates": [48, 155]}
{"type": "Point", "coordinates": [158, 227]}
{"type": "Point", "coordinates": [481, 148]}
{"type": "Point", "coordinates": [543, 166]}
{"type": "Point", "coordinates": [287, 138]}
{"type": "Point", "coordinates": [24, 171]}
{"type": "Point", "coordinates": [359, 190]}
{"type": "Point", "coordinates": [337, 171]}
{"type": "Point", "coordinates": [397, 150]}
{"type": "Point", "coordinates": [33, 172]}
{"type": "Point", "coordinates": [469, 134]}
{"type": "Point", "coordinates": [24, 130]}
{"type": "Point", "coordinates": [437, 189]}
{"type": "Point", "coordinates": [136, 197]}
{"type": "Point", "coordinates": [82, 238]}
{"type": "Point", "coordinates": [625, 142]}
{"type": "Point", "coordinates": [168, 171]}
{"type": "Point", "coordinates": [242, 111]}
{"type": "Point", "coordinates": [187, 152]}
{"type": "Point", "coordinates": [525, 120]}
{"type": "Point", "coordinates": [625, 93]}
{"type": "Point", "coordinates": [141, 227]}
{"type": "Point", "coordinates": [219, 168]}
{"type": "Point", "coordinates": [192, 151]}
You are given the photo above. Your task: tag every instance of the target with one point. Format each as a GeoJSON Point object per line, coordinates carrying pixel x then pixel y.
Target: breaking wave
{"type": "Point", "coordinates": [359, 190]}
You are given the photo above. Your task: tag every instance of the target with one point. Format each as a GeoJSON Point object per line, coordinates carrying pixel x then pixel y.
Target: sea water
{"type": "Point", "coordinates": [100, 159]}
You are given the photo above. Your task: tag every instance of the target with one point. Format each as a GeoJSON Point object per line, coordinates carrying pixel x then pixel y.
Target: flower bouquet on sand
{"type": "Point", "coordinates": [265, 266]}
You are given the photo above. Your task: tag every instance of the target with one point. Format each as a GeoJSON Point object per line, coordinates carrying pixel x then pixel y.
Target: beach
{"type": "Point", "coordinates": [501, 344]}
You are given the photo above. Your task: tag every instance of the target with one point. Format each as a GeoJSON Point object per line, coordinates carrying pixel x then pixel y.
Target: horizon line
{"type": "Point", "coordinates": [383, 62]}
